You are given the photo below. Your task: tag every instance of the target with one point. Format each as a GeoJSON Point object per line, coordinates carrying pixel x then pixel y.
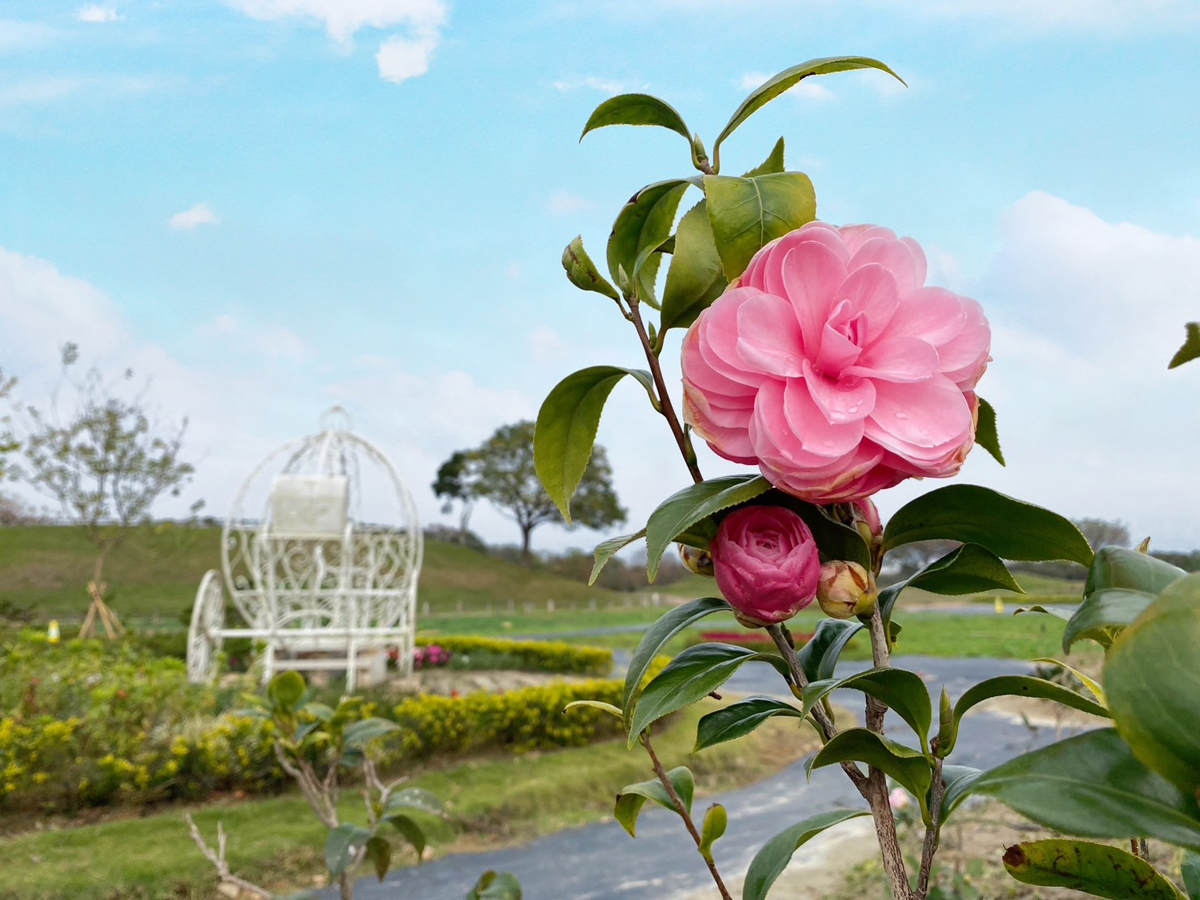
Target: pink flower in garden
{"type": "Point", "coordinates": [766, 565]}
{"type": "Point", "coordinates": [833, 369]}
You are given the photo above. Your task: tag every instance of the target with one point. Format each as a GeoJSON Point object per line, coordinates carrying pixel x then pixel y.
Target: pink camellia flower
{"type": "Point", "coordinates": [766, 565]}
{"type": "Point", "coordinates": [833, 369]}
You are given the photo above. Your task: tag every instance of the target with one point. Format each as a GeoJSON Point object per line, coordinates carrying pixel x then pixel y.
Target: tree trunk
{"type": "Point", "coordinates": [98, 568]}
{"type": "Point", "coordinates": [526, 555]}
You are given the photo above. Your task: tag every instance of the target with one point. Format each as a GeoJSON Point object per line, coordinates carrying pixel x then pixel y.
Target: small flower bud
{"type": "Point", "coordinates": [699, 561]}
{"type": "Point", "coordinates": [867, 521]}
{"type": "Point", "coordinates": [845, 590]}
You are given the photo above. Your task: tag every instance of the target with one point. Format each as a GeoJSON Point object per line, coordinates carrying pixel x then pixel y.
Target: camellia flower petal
{"type": "Point", "coordinates": [766, 563]}
{"type": "Point", "coordinates": [833, 368]}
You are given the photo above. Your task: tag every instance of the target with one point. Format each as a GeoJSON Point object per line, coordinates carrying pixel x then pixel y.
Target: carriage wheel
{"type": "Point", "coordinates": [205, 633]}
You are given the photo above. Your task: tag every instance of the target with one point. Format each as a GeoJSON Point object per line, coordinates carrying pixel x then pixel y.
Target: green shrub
{"type": "Point", "coordinates": [536, 656]}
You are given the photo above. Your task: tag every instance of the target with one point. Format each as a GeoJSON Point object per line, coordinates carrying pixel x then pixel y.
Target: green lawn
{"type": "Point", "coordinates": [276, 842]}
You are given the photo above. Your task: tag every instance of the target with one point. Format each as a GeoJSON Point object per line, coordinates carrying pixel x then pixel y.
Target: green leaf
{"type": "Point", "coordinates": [1091, 785]}
{"type": "Point", "coordinates": [582, 272]}
{"type": "Point", "coordinates": [1012, 529]}
{"type": "Point", "coordinates": [770, 165]}
{"type": "Point", "coordinates": [656, 636]}
{"type": "Point", "coordinates": [633, 796]}
{"type": "Point", "coordinates": [775, 854]}
{"type": "Point", "coordinates": [773, 87]}
{"type": "Point", "coordinates": [286, 690]}
{"type": "Point", "coordinates": [496, 886]}
{"type": "Point", "coordinates": [415, 798]}
{"type": "Point", "coordinates": [566, 428]}
{"type": "Point", "coordinates": [906, 766]}
{"type": "Point", "coordinates": [739, 719]}
{"type": "Point", "coordinates": [695, 277]}
{"type": "Point", "coordinates": [359, 733]}
{"type": "Point", "coordinates": [689, 677]}
{"type": "Point", "coordinates": [342, 846]}
{"type": "Point", "coordinates": [596, 704]}
{"type": "Point", "coordinates": [819, 656]}
{"type": "Point", "coordinates": [748, 213]}
{"type": "Point", "coordinates": [410, 831]}
{"type": "Point", "coordinates": [1190, 870]}
{"type": "Point", "coordinates": [606, 550]}
{"type": "Point", "coordinates": [1191, 346]}
{"type": "Point", "coordinates": [958, 781]}
{"type": "Point", "coordinates": [968, 569]}
{"type": "Point", "coordinates": [1102, 613]}
{"type": "Point", "coordinates": [1059, 612]}
{"type": "Point", "coordinates": [1017, 686]}
{"type": "Point", "coordinates": [986, 435]}
{"type": "Point", "coordinates": [642, 226]}
{"type": "Point", "coordinates": [636, 109]}
{"type": "Point", "coordinates": [379, 855]}
{"type": "Point", "coordinates": [320, 711]}
{"type": "Point", "coordinates": [683, 509]}
{"type": "Point", "coordinates": [1093, 686]}
{"type": "Point", "coordinates": [900, 689]}
{"type": "Point", "coordinates": [716, 820]}
{"type": "Point", "coordinates": [1119, 567]}
{"type": "Point", "coordinates": [1096, 869]}
{"type": "Point", "coordinates": [835, 540]}
{"type": "Point", "coordinates": [1153, 686]}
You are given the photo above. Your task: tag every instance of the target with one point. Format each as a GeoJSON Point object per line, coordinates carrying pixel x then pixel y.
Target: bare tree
{"type": "Point", "coordinates": [1103, 532]}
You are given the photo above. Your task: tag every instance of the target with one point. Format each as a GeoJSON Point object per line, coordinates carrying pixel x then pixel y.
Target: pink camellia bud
{"type": "Point", "coordinates": [845, 589]}
{"type": "Point", "coordinates": [898, 798]}
{"type": "Point", "coordinates": [697, 560]}
{"type": "Point", "coordinates": [766, 564]}
{"type": "Point", "coordinates": [867, 521]}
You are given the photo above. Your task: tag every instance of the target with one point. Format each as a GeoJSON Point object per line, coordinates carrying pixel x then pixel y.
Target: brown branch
{"type": "Point", "coordinates": [683, 814]}
{"type": "Point", "coordinates": [889, 841]}
{"type": "Point", "coordinates": [933, 830]}
{"type": "Point", "coordinates": [217, 858]}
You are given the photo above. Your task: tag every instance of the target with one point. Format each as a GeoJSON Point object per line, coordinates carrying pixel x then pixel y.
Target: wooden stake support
{"type": "Point", "coordinates": [99, 610]}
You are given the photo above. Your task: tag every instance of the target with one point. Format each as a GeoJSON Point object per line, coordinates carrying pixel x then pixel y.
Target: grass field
{"type": "Point", "coordinates": [277, 842]}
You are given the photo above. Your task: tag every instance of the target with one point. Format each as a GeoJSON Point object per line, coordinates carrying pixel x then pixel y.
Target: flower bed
{"type": "Point", "coordinates": [538, 656]}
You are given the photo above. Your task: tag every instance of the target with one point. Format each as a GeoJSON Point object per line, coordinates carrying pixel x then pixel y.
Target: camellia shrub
{"type": "Point", "coordinates": [816, 355]}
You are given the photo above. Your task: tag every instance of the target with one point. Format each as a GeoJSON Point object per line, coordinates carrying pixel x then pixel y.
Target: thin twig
{"type": "Point", "coordinates": [218, 858]}
{"type": "Point", "coordinates": [933, 830]}
{"type": "Point", "coordinates": [683, 813]}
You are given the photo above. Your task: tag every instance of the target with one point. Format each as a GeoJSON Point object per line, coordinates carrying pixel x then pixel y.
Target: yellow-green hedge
{"type": "Point", "coordinates": [542, 656]}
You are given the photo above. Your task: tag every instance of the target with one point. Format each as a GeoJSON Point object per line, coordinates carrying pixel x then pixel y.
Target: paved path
{"type": "Point", "coordinates": [601, 862]}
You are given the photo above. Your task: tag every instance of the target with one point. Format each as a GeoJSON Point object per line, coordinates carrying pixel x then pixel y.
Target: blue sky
{"type": "Point", "coordinates": [268, 206]}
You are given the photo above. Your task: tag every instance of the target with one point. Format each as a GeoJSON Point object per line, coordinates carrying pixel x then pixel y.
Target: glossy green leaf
{"type": "Point", "coordinates": [986, 435]}
{"type": "Point", "coordinates": [359, 733]}
{"type": "Point", "coordinates": [286, 690]}
{"type": "Point", "coordinates": [1191, 346]}
{"type": "Point", "coordinates": [773, 163]}
{"type": "Point", "coordinates": [819, 656]}
{"type": "Point", "coordinates": [906, 766]}
{"type": "Point", "coordinates": [692, 675]}
{"type": "Point", "coordinates": [748, 213]}
{"type": "Point", "coordinates": [633, 796]}
{"type": "Point", "coordinates": [1190, 870]}
{"type": "Point", "coordinates": [1017, 686]}
{"type": "Point", "coordinates": [1092, 685]}
{"type": "Point", "coordinates": [582, 272]}
{"type": "Point", "coordinates": [656, 636]}
{"type": "Point", "coordinates": [379, 855]}
{"type": "Point", "coordinates": [496, 886]}
{"type": "Point", "coordinates": [1058, 612]}
{"type": "Point", "coordinates": [1153, 685]}
{"type": "Point", "coordinates": [957, 782]}
{"type": "Point", "coordinates": [595, 704]}
{"type": "Point", "coordinates": [409, 830]}
{"type": "Point", "coordinates": [788, 78]}
{"type": "Point", "coordinates": [1102, 614]}
{"type": "Point", "coordinates": [1120, 567]}
{"type": "Point", "coordinates": [606, 550]}
{"type": "Point", "coordinates": [321, 711]}
{"type": "Point", "coordinates": [900, 689]}
{"type": "Point", "coordinates": [968, 569]}
{"type": "Point", "coordinates": [739, 719]}
{"type": "Point", "coordinates": [695, 277]}
{"type": "Point", "coordinates": [342, 847]}
{"type": "Point", "coordinates": [716, 820]}
{"type": "Point", "coordinates": [415, 798]}
{"type": "Point", "coordinates": [683, 509]}
{"type": "Point", "coordinates": [775, 854]}
{"type": "Point", "coordinates": [1091, 785]}
{"type": "Point", "coordinates": [1096, 869]}
{"type": "Point", "coordinates": [835, 540]}
{"type": "Point", "coordinates": [1011, 529]}
{"type": "Point", "coordinates": [642, 226]}
{"type": "Point", "coordinates": [566, 428]}
{"type": "Point", "coordinates": [636, 109]}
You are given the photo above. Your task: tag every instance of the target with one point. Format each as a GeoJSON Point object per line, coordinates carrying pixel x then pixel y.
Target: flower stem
{"type": "Point", "coordinates": [683, 813]}
{"type": "Point", "coordinates": [933, 831]}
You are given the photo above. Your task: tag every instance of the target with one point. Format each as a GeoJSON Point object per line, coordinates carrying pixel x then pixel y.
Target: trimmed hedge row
{"type": "Point", "coordinates": [540, 656]}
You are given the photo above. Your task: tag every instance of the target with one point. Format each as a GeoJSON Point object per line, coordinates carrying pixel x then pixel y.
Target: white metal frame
{"type": "Point", "coordinates": [332, 593]}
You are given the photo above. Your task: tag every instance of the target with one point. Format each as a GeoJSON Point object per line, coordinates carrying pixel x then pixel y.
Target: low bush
{"type": "Point", "coordinates": [537, 656]}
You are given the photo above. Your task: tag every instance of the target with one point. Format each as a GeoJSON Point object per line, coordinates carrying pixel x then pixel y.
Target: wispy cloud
{"type": "Point", "coordinates": [605, 85]}
{"type": "Point", "coordinates": [401, 58]}
{"type": "Point", "coordinates": [200, 214]}
{"type": "Point", "coordinates": [562, 202]}
{"type": "Point", "coordinates": [94, 12]}
{"type": "Point", "coordinates": [1106, 15]}
{"type": "Point", "coordinates": [16, 34]}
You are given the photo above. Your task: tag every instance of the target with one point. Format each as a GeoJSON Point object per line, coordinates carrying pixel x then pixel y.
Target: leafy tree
{"type": "Point", "coordinates": [501, 471]}
{"type": "Point", "coordinates": [102, 460]}
{"type": "Point", "coordinates": [451, 486]}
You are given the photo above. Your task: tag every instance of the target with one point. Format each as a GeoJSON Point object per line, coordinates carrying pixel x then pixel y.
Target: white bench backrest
{"type": "Point", "coordinates": [310, 506]}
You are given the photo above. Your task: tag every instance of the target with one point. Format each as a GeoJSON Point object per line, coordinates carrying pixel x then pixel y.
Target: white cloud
{"type": "Point", "coordinates": [809, 88]}
{"type": "Point", "coordinates": [606, 85]}
{"type": "Point", "coordinates": [94, 12]}
{"type": "Point", "coordinates": [401, 58]}
{"type": "Point", "coordinates": [1093, 14]}
{"type": "Point", "coordinates": [562, 202]}
{"type": "Point", "coordinates": [200, 214]}
{"type": "Point", "coordinates": [16, 34]}
{"type": "Point", "coordinates": [50, 89]}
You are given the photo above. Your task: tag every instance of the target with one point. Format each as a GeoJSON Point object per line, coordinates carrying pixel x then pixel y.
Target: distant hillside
{"type": "Point", "coordinates": [157, 571]}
